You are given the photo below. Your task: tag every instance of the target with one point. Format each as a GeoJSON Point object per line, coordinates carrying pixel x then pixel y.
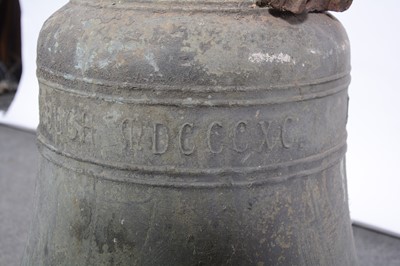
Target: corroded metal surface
{"type": "Point", "coordinates": [300, 6]}
{"type": "Point", "coordinates": [191, 133]}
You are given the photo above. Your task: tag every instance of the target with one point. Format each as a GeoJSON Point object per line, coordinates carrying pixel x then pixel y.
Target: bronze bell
{"type": "Point", "coordinates": [191, 133]}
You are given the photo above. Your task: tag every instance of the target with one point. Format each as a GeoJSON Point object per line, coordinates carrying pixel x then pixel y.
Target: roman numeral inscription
{"type": "Point", "coordinates": [160, 140]}
{"type": "Point", "coordinates": [163, 137]}
{"type": "Point", "coordinates": [184, 142]}
{"type": "Point", "coordinates": [214, 137]}
{"type": "Point", "coordinates": [284, 138]}
{"type": "Point", "coordinates": [140, 141]}
{"type": "Point", "coordinates": [148, 136]}
{"type": "Point", "coordinates": [132, 132]}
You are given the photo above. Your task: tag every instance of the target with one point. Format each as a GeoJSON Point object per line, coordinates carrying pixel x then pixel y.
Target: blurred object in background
{"type": "Point", "coordinates": [10, 50]}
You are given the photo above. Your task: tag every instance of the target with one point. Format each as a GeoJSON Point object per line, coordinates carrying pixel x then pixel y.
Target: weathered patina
{"type": "Point", "coordinates": [301, 6]}
{"type": "Point", "coordinates": [191, 133]}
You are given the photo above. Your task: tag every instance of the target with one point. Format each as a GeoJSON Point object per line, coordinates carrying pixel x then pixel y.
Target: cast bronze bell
{"type": "Point", "coordinates": [191, 133]}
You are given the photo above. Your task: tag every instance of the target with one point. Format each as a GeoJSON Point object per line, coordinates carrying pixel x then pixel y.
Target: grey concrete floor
{"type": "Point", "coordinates": [18, 165]}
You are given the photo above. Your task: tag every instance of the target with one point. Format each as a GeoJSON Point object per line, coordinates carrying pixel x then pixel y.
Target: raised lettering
{"type": "Point", "coordinates": [286, 142]}
{"type": "Point", "coordinates": [265, 129]}
{"type": "Point", "coordinates": [160, 138]}
{"type": "Point", "coordinates": [46, 116]}
{"type": "Point", "coordinates": [58, 125]}
{"type": "Point", "coordinates": [72, 131]}
{"type": "Point", "coordinates": [213, 126]}
{"type": "Point", "coordinates": [185, 130]}
{"type": "Point", "coordinates": [132, 131]}
{"type": "Point", "coordinates": [87, 128]}
{"type": "Point", "coordinates": [238, 132]}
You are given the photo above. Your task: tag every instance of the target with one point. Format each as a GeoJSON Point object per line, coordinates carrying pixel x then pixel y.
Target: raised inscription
{"type": "Point", "coordinates": [160, 138]}
{"type": "Point", "coordinates": [132, 131]}
{"type": "Point", "coordinates": [177, 137]}
{"type": "Point", "coordinates": [65, 126]}
{"type": "Point", "coordinates": [185, 139]}
{"type": "Point", "coordinates": [240, 136]}
{"type": "Point", "coordinates": [213, 138]}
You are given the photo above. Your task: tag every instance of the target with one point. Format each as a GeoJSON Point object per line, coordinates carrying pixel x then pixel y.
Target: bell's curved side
{"type": "Point", "coordinates": [191, 133]}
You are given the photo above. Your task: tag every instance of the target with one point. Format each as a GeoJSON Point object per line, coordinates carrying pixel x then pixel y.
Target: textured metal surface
{"type": "Point", "coordinates": [300, 6]}
{"type": "Point", "coordinates": [191, 133]}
